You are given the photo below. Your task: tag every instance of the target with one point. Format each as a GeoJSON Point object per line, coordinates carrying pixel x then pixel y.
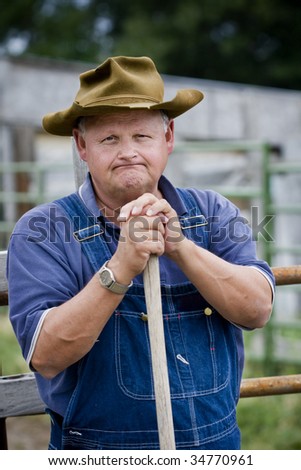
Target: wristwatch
{"type": "Point", "coordinates": [107, 280]}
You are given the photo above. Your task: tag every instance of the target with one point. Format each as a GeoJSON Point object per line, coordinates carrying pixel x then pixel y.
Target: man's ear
{"type": "Point", "coordinates": [80, 143]}
{"type": "Point", "coordinates": [169, 135]}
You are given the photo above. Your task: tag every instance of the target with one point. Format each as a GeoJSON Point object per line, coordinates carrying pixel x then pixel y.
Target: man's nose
{"type": "Point", "coordinates": [127, 150]}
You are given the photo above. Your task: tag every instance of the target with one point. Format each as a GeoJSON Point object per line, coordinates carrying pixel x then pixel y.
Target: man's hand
{"type": "Point", "coordinates": [148, 226]}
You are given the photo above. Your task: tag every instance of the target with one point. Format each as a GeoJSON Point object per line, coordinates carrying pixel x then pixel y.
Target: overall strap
{"type": "Point", "coordinates": [194, 224]}
{"type": "Point", "coordinates": [87, 230]}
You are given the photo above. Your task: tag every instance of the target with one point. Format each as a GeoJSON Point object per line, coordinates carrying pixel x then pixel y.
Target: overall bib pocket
{"type": "Point", "coordinates": [197, 354]}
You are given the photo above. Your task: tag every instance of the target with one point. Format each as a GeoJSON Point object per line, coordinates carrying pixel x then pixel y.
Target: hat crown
{"type": "Point", "coordinates": [121, 79]}
{"type": "Point", "coordinates": [128, 83]}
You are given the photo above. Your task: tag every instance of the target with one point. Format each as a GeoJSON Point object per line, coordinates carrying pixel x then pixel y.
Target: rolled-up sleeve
{"type": "Point", "coordinates": [44, 269]}
{"type": "Point", "coordinates": [230, 235]}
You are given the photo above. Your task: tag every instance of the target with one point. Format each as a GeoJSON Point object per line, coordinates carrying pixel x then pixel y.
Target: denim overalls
{"type": "Point", "coordinates": [113, 404]}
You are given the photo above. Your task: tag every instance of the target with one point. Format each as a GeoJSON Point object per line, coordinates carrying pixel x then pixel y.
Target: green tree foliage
{"type": "Point", "coordinates": [247, 41]}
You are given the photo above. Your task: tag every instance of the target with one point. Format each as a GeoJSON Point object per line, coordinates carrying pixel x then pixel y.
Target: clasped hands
{"type": "Point", "coordinates": [148, 225]}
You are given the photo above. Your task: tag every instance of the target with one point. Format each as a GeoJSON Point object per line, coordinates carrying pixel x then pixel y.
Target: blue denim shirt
{"type": "Point", "coordinates": [107, 398]}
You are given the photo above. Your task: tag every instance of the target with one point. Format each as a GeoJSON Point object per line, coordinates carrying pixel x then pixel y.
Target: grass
{"type": "Point", "coordinates": [270, 423]}
{"type": "Point", "coordinates": [267, 423]}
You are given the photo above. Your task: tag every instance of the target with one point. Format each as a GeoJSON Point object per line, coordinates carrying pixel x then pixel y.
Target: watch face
{"type": "Point", "coordinates": [106, 278]}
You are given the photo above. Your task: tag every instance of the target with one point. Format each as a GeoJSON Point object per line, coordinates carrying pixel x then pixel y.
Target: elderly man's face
{"type": "Point", "coordinates": [126, 153]}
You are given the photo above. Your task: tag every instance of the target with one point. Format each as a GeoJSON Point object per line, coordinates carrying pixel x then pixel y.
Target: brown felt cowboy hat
{"type": "Point", "coordinates": [120, 82]}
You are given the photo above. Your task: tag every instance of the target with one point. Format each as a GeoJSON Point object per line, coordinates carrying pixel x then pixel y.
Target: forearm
{"type": "Point", "coordinates": [240, 293]}
{"type": "Point", "coordinates": [70, 330]}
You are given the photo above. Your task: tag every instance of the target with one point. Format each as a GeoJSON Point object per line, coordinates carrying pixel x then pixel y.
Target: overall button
{"type": "Point", "coordinates": [144, 316]}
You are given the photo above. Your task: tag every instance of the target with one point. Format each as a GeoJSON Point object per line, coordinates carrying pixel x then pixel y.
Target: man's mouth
{"type": "Point", "coordinates": [128, 165]}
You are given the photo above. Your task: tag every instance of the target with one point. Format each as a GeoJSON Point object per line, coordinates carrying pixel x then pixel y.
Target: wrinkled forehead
{"type": "Point", "coordinates": [124, 116]}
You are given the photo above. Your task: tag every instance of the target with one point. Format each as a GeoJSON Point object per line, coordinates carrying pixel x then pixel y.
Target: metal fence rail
{"type": "Point", "coordinates": [267, 386]}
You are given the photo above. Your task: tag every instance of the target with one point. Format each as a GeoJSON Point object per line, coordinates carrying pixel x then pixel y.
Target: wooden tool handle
{"type": "Point", "coordinates": [152, 290]}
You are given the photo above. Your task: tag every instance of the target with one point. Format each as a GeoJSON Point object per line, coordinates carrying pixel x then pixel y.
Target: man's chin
{"type": "Point", "coordinates": [133, 189]}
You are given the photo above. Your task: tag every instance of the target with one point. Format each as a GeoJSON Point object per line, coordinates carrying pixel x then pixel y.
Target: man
{"type": "Point", "coordinates": [76, 285]}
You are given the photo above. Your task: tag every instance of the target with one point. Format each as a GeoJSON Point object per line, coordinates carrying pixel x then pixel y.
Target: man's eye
{"type": "Point", "coordinates": [110, 138]}
{"type": "Point", "coordinates": [142, 136]}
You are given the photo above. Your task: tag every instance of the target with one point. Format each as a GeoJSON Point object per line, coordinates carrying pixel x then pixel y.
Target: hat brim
{"type": "Point", "coordinates": [63, 122]}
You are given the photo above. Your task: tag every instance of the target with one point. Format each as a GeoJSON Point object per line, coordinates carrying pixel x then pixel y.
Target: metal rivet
{"type": "Point", "coordinates": [208, 311]}
{"type": "Point", "coordinates": [144, 316]}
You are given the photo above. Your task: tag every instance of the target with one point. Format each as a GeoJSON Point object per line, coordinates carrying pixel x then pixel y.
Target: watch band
{"type": "Point", "coordinates": [107, 280]}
